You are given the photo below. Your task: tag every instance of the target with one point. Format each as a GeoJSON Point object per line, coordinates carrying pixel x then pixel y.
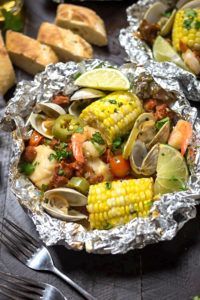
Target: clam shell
{"type": "Point", "coordinates": [87, 93]}
{"type": "Point", "coordinates": [155, 12]}
{"type": "Point", "coordinates": [142, 118]}
{"type": "Point", "coordinates": [36, 122]}
{"type": "Point", "coordinates": [191, 4]}
{"type": "Point", "coordinates": [142, 162]}
{"type": "Point", "coordinates": [166, 29]}
{"type": "Point", "coordinates": [162, 136]}
{"type": "Point", "coordinates": [70, 198]}
{"type": "Point", "coordinates": [181, 3]}
{"type": "Point", "coordinates": [72, 216]}
{"type": "Point", "coordinates": [76, 107]}
{"type": "Point", "coordinates": [51, 110]}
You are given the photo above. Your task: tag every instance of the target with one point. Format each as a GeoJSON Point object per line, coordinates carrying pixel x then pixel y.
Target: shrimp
{"type": "Point", "coordinates": [191, 61]}
{"type": "Point", "coordinates": [81, 146]}
{"type": "Point", "coordinates": [181, 136]}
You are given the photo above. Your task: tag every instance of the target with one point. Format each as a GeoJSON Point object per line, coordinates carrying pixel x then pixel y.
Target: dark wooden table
{"type": "Point", "coordinates": [166, 271]}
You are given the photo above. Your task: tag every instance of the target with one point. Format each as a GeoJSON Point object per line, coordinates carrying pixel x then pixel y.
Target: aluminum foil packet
{"type": "Point", "coordinates": [167, 215]}
{"type": "Point", "coordinates": [139, 52]}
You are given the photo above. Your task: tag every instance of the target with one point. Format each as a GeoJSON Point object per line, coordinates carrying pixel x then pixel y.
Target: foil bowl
{"type": "Point", "coordinates": [139, 52]}
{"type": "Point", "coordinates": [167, 215]}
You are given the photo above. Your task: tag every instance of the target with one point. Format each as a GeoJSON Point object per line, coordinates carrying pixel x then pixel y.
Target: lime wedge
{"type": "Point", "coordinates": [172, 171]}
{"type": "Point", "coordinates": [104, 79]}
{"type": "Point", "coordinates": [163, 51]}
{"type": "Point", "coordinates": [130, 142]}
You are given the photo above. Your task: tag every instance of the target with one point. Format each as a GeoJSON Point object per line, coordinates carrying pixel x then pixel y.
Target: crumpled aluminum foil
{"type": "Point", "coordinates": [167, 215]}
{"type": "Point", "coordinates": [139, 53]}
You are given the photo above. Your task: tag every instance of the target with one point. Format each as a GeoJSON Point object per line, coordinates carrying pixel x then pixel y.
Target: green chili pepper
{"type": "Point", "coordinates": [65, 126]}
{"type": "Point", "coordinates": [80, 184]}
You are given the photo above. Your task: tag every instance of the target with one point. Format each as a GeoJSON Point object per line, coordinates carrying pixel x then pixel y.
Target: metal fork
{"type": "Point", "coordinates": [20, 288]}
{"type": "Point", "coordinates": [33, 253]}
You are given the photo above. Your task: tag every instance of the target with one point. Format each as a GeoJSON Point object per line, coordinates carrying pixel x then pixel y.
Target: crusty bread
{"type": "Point", "coordinates": [7, 74]}
{"type": "Point", "coordinates": [83, 21]}
{"type": "Point", "coordinates": [27, 53]}
{"type": "Point", "coordinates": [66, 44]}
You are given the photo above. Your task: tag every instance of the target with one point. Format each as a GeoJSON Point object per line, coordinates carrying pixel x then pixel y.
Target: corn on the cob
{"type": "Point", "coordinates": [186, 29]}
{"type": "Point", "coordinates": [113, 115]}
{"type": "Point", "coordinates": [118, 202]}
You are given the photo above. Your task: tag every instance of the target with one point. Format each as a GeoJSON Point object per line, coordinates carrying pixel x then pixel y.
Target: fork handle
{"type": "Point", "coordinates": [83, 292]}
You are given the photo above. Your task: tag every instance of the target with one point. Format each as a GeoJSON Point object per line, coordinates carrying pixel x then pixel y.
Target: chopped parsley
{"type": "Point", "coordinates": [112, 101]}
{"type": "Point", "coordinates": [162, 122]}
{"type": "Point", "coordinates": [167, 14]}
{"type": "Point", "coordinates": [12, 21]}
{"type": "Point", "coordinates": [108, 185]}
{"type": "Point", "coordinates": [117, 143]}
{"type": "Point", "coordinates": [27, 168]}
{"type": "Point", "coordinates": [79, 130]}
{"type": "Point", "coordinates": [191, 13]}
{"type": "Point", "coordinates": [60, 155]}
{"type": "Point", "coordinates": [61, 172]}
{"type": "Point", "coordinates": [97, 138]}
{"type": "Point", "coordinates": [197, 25]}
{"type": "Point", "coordinates": [187, 23]}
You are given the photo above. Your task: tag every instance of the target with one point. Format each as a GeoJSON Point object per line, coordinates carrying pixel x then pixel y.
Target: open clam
{"type": "Point", "coordinates": [76, 107]}
{"type": "Point", "coordinates": [144, 163]}
{"type": "Point", "coordinates": [191, 4]}
{"type": "Point", "coordinates": [155, 15]}
{"type": "Point", "coordinates": [87, 93]}
{"type": "Point", "coordinates": [155, 12]}
{"type": "Point", "coordinates": [147, 132]}
{"type": "Point", "coordinates": [43, 122]}
{"type": "Point", "coordinates": [58, 203]}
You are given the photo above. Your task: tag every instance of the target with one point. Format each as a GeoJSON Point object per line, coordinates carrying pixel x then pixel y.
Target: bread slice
{"type": "Point", "coordinates": [28, 54]}
{"type": "Point", "coordinates": [7, 74]}
{"type": "Point", "coordinates": [83, 21]}
{"type": "Point", "coordinates": [66, 44]}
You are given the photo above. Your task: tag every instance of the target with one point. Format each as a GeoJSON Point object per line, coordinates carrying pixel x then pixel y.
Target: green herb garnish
{"type": "Point", "coordinates": [112, 101]}
{"type": "Point", "coordinates": [117, 143]}
{"type": "Point", "coordinates": [197, 25]}
{"type": "Point", "coordinates": [187, 23]}
{"type": "Point", "coordinates": [61, 172]}
{"type": "Point", "coordinates": [79, 130]}
{"type": "Point", "coordinates": [162, 122]}
{"type": "Point", "coordinates": [108, 185]}
{"type": "Point", "coordinates": [97, 138]}
{"type": "Point", "coordinates": [13, 22]}
{"type": "Point", "coordinates": [191, 13]}
{"type": "Point", "coordinates": [27, 168]}
{"type": "Point", "coordinates": [167, 14]}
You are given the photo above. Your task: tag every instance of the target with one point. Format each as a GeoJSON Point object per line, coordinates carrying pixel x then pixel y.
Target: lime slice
{"type": "Point", "coordinates": [172, 171]}
{"type": "Point", "coordinates": [163, 51]}
{"type": "Point", "coordinates": [130, 142]}
{"type": "Point", "coordinates": [104, 79]}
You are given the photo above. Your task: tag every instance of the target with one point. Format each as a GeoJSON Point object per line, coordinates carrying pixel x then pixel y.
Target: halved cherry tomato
{"type": "Point", "coordinates": [35, 139]}
{"type": "Point", "coordinates": [119, 166]}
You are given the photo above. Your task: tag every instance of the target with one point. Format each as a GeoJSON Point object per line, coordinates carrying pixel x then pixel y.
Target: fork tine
{"type": "Point", "coordinates": [14, 251]}
{"type": "Point", "coordinates": [30, 282]}
{"type": "Point", "coordinates": [22, 295]}
{"type": "Point", "coordinates": [15, 233]}
{"type": "Point", "coordinates": [18, 246]}
{"type": "Point", "coordinates": [24, 233]}
{"type": "Point", "coordinates": [7, 294]}
{"type": "Point", "coordinates": [35, 287]}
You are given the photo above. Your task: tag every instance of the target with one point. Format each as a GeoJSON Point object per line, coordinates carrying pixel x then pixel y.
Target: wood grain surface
{"type": "Point", "coordinates": [165, 271]}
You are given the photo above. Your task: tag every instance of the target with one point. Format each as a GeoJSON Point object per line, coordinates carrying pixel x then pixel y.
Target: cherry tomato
{"type": "Point", "coordinates": [35, 139]}
{"type": "Point", "coordinates": [119, 166]}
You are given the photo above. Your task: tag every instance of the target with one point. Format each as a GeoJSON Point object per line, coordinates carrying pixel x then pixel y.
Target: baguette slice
{"type": "Point", "coordinates": [66, 44]}
{"type": "Point", "coordinates": [82, 21]}
{"type": "Point", "coordinates": [7, 74]}
{"type": "Point", "coordinates": [28, 54]}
